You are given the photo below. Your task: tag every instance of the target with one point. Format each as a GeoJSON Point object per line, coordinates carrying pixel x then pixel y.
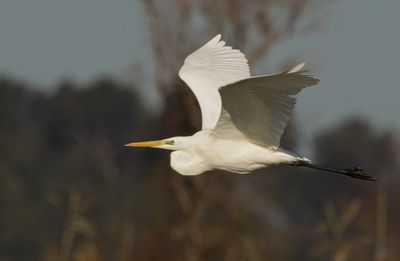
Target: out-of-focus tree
{"type": "Point", "coordinates": [355, 142]}
{"type": "Point", "coordinates": [177, 27]}
{"type": "Point", "coordinates": [64, 176]}
{"type": "Point", "coordinates": [70, 191]}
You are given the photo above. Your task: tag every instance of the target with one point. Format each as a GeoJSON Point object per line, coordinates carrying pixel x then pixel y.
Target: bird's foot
{"type": "Point", "coordinates": [359, 173]}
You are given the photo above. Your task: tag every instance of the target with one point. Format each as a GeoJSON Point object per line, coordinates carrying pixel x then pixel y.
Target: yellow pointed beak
{"type": "Point", "coordinates": [152, 143]}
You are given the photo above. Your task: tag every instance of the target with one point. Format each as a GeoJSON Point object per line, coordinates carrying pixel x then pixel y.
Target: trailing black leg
{"type": "Point", "coordinates": [356, 172]}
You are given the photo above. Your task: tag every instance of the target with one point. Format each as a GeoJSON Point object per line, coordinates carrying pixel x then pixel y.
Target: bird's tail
{"type": "Point", "coordinates": [356, 172]}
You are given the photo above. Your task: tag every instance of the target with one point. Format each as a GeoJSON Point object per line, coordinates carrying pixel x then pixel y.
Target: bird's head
{"type": "Point", "coordinates": [174, 143]}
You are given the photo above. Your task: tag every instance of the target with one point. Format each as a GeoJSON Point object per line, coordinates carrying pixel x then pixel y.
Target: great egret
{"type": "Point", "coordinates": [243, 117]}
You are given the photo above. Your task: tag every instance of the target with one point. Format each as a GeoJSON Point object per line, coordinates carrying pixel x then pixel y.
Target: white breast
{"type": "Point", "coordinates": [188, 164]}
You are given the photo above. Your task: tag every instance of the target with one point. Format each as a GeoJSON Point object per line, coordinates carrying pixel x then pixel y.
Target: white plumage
{"type": "Point", "coordinates": [209, 68]}
{"type": "Point", "coordinates": [243, 117]}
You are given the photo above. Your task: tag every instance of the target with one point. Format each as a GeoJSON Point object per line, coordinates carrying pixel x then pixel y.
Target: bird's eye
{"type": "Point", "coordinates": [170, 142]}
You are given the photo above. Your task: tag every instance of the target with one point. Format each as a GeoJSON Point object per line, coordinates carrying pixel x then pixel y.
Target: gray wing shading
{"type": "Point", "coordinates": [259, 108]}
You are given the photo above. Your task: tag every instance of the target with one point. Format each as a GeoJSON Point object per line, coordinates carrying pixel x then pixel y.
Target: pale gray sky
{"type": "Point", "coordinates": [45, 40]}
{"type": "Point", "coordinates": [356, 55]}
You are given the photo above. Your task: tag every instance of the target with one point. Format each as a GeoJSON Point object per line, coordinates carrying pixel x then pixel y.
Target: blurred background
{"type": "Point", "coordinates": [78, 79]}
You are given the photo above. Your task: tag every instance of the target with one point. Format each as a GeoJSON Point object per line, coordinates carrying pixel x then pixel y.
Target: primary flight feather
{"type": "Point", "coordinates": [243, 117]}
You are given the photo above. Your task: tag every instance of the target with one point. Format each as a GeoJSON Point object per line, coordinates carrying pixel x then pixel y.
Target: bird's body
{"type": "Point", "coordinates": [206, 152]}
{"type": "Point", "coordinates": [243, 117]}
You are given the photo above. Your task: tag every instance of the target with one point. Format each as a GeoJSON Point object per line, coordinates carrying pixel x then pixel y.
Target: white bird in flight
{"type": "Point", "coordinates": [243, 116]}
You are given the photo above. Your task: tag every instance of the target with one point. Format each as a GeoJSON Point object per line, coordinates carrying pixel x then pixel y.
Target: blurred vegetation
{"type": "Point", "coordinates": [71, 191]}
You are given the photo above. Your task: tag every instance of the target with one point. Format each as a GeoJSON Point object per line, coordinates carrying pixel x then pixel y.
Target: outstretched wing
{"type": "Point", "coordinates": [206, 70]}
{"type": "Point", "coordinates": [258, 108]}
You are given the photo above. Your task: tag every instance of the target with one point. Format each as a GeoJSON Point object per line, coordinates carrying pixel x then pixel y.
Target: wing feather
{"type": "Point", "coordinates": [207, 69]}
{"type": "Point", "coordinates": [259, 108]}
